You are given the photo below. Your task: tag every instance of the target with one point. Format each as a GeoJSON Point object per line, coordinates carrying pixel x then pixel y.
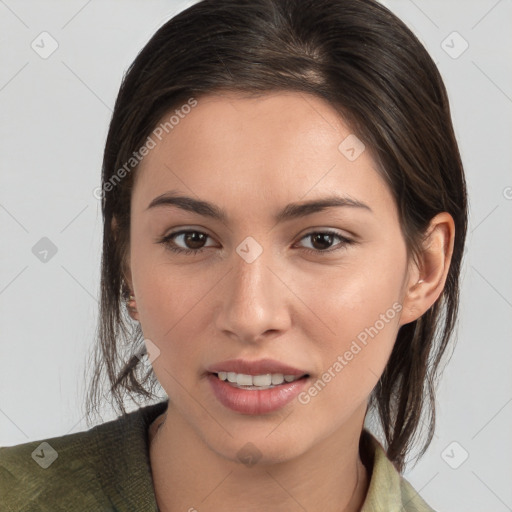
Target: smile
{"type": "Point", "coordinates": [264, 381]}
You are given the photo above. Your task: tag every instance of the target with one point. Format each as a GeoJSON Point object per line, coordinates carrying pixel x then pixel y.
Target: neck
{"type": "Point", "coordinates": [188, 475]}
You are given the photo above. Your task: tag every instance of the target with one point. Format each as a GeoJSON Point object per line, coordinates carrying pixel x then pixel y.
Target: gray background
{"type": "Point", "coordinates": [55, 114]}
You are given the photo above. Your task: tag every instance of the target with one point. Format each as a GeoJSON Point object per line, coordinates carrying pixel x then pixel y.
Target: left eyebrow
{"type": "Point", "coordinates": [289, 212]}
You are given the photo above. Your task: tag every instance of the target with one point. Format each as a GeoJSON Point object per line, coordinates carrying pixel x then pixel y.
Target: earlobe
{"type": "Point", "coordinates": [127, 286]}
{"type": "Point", "coordinates": [131, 306]}
{"type": "Point", "coordinates": [129, 300]}
{"type": "Point", "coordinates": [427, 282]}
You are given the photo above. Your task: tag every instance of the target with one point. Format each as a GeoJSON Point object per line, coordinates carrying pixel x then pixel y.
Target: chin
{"type": "Point", "coordinates": [259, 450]}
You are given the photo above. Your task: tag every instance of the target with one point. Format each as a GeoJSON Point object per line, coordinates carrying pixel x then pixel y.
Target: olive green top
{"type": "Point", "coordinates": [107, 468]}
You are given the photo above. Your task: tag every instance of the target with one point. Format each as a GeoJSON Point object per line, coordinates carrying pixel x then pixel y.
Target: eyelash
{"type": "Point", "coordinates": [167, 242]}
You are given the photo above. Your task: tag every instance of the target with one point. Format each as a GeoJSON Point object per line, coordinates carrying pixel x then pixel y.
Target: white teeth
{"type": "Point", "coordinates": [243, 380]}
{"type": "Point", "coordinates": [277, 378]}
{"type": "Point", "coordinates": [264, 381]}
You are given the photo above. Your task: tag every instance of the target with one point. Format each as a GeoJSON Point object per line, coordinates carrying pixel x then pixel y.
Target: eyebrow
{"type": "Point", "coordinates": [289, 212]}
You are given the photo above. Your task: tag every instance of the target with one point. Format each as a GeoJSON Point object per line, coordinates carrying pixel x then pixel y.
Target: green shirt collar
{"type": "Point", "coordinates": [108, 468]}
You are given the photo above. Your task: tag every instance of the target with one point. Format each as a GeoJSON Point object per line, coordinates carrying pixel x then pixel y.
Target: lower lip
{"type": "Point", "coordinates": [248, 401]}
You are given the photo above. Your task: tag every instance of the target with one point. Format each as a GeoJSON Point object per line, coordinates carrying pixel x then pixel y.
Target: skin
{"type": "Point", "coordinates": [251, 157]}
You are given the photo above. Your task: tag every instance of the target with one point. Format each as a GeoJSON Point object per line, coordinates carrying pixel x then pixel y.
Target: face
{"type": "Point", "coordinates": [317, 289]}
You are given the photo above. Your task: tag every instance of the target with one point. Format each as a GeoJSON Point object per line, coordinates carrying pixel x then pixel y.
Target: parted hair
{"type": "Point", "coordinates": [361, 59]}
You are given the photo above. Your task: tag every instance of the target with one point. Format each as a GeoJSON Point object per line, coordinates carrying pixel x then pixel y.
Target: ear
{"type": "Point", "coordinates": [427, 278]}
{"type": "Point", "coordinates": [126, 272]}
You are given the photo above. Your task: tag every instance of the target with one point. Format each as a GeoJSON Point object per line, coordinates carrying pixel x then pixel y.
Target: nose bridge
{"type": "Point", "coordinates": [250, 277]}
{"type": "Point", "coordinates": [252, 303]}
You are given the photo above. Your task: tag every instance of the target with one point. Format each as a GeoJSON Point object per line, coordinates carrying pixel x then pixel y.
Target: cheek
{"type": "Point", "coordinates": [173, 304]}
{"type": "Point", "coordinates": [169, 316]}
{"type": "Point", "coordinates": [360, 303]}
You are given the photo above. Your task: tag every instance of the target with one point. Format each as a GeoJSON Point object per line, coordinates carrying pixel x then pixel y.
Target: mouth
{"type": "Point", "coordinates": [261, 393]}
{"type": "Point", "coordinates": [256, 386]}
{"type": "Point", "coordinates": [257, 382]}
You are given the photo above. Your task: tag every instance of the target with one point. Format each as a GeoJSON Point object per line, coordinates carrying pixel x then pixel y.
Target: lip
{"type": "Point", "coordinates": [258, 367]}
{"type": "Point", "coordinates": [255, 401]}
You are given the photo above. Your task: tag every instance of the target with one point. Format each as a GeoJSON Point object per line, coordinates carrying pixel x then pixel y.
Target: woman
{"type": "Point", "coordinates": [284, 214]}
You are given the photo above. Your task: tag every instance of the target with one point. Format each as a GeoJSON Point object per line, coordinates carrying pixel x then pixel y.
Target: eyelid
{"type": "Point", "coordinates": [167, 240]}
{"type": "Point", "coordinates": [344, 240]}
{"type": "Point", "coordinates": [334, 231]}
{"type": "Point", "coordinates": [185, 231]}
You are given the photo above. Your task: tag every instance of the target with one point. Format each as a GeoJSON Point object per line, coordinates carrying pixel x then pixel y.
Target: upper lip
{"type": "Point", "coordinates": [259, 367]}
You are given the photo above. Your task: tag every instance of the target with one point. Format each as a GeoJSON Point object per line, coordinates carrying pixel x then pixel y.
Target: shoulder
{"type": "Point", "coordinates": [31, 473]}
{"type": "Point", "coordinates": [412, 501]}
{"type": "Point", "coordinates": [86, 469]}
{"type": "Point", "coordinates": [388, 490]}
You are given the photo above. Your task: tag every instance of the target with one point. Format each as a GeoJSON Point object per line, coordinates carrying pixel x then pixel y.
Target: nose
{"type": "Point", "coordinates": [254, 300]}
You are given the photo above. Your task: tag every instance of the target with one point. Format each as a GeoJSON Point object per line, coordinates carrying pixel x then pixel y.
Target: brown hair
{"type": "Point", "coordinates": [362, 60]}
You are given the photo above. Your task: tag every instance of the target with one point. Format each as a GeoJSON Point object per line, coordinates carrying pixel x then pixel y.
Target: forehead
{"type": "Point", "coordinates": [281, 146]}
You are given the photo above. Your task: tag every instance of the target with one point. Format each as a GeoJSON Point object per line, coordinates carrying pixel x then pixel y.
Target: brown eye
{"type": "Point", "coordinates": [193, 240]}
{"type": "Point", "coordinates": [322, 241]}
